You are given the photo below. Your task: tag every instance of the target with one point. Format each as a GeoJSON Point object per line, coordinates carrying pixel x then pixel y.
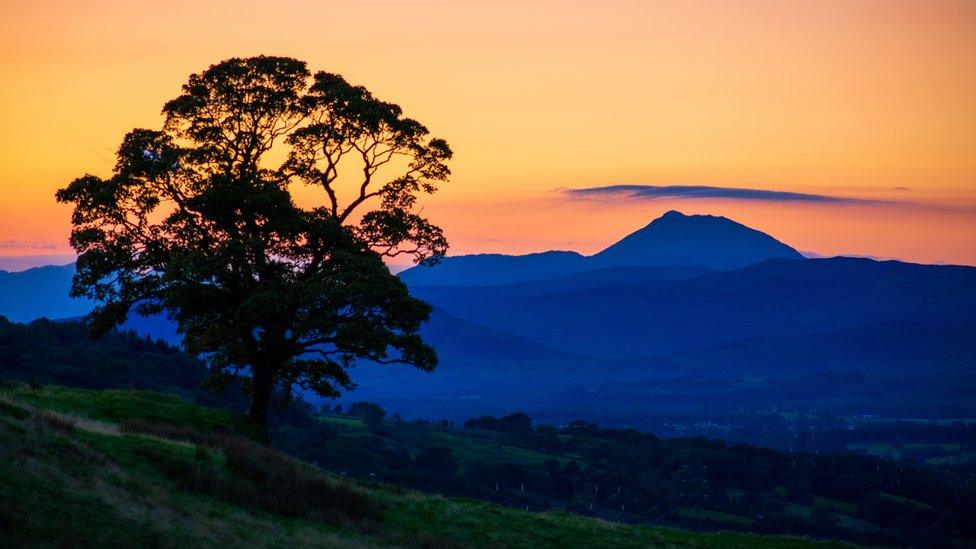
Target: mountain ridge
{"type": "Point", "coordinates": [671, 240]}
{"type": "Point", "coordinates": [775, 296]}
{"type": "Point", "coordinates": [24, 294]}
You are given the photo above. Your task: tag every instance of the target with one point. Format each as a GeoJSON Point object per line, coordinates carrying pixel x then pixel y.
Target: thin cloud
{"type": "Point", "coordinates": [651, 192]}
{"type": "Point", "coordinates": [28, 245]}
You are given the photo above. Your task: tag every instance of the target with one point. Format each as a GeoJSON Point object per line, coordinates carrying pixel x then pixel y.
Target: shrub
{"type": "Point", "coordinates": [371, 413]}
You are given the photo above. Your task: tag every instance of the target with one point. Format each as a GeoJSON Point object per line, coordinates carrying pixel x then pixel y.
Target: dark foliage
{"type": "Point", "coordinates": [626, 475]}
{"type": "Point", "coordinates": [60, 353]}
{"type": "Point", "coordinates": [371, 413]}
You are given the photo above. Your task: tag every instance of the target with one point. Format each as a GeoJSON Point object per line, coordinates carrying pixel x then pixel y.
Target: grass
{"type": "Point", "coordinates": [853, 523]}
{"type": "Point", "coordinates": [344, 421]}
{"type": "Point", "coordinates": [843, 507]}
{"type": "Point", "coordinates": [872, 448]}
{"type": "Point", "coordinates": [947, 446]}
{"type": "Point", "coordinates": [907, 501]}
{"type": "Point", "coordinates": [120, 405]}
{"type": "Point", "coordinates": [716, 516]}
{"type": "Point", "coordinates": [73, 472]}
{"type": "Point", "coordinates": [961, 458]}
{"type": "Point", "coordinates": [480, 524]}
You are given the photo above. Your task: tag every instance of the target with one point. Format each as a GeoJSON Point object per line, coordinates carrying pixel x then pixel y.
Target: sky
{"type": "Point", "coordinates": [843, 127]}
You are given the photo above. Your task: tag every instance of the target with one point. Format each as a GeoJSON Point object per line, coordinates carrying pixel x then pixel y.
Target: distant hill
{"type": "Point", "coordinates": [779, 297]}
{"type": "Point", "coordinates": [613, 276]}
{"type": "Point", "coordinates": [448, 334]}
{"type": "Point", "coordinates": [490, 269]}
{"type": "Point", "coordinates": [905, 334]}
{"type": "Point", "coordinates": [672, 240]}
{"type": "Point", "coordinates": [16, 263]}
{"type": "Point", "coordinates": [578, 282]}
{"type": "Point", "coordinates": [454, 337]}
{"type": "Point", "coordinates": [41, 291]}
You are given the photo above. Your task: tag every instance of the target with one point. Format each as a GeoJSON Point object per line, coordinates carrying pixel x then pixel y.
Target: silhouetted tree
{"type": "Point", "coordinates": [371, 412]}
{"type": "Point", "coordinates": [198, 220]}
{"type": "Point", "coordinates": [517, 423]}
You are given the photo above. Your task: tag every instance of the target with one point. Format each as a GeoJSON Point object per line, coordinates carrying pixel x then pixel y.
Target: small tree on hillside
{"type": "Point", "coordinates": [371, 412]}
{"type": "Point", "coordinates": [199, 220]}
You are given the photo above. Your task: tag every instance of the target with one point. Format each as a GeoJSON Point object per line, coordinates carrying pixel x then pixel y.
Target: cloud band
{"type": "Point", "coordinates": [650, 192]}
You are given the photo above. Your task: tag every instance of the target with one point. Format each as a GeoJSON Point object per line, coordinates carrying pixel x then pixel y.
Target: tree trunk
{"type": "Point", "coordinates": [262, 384]}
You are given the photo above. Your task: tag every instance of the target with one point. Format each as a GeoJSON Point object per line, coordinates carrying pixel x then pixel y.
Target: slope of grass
{"type": "Point", "coordinates": [128, 405]}
{"type": "Point", "coordinates": [834, 505]}
{"type": "Point", "coordinates": [893, 497]}
{"type": "Point", "coordinates": [716, 516]}
{"type": "Point", "coordinates": [75, 469]}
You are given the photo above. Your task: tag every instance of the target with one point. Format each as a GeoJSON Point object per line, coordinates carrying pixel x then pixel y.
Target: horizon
{"type": "Point", "coordinates": [804, 129]}
{"type": "Point", "coordinates": [20, 263]}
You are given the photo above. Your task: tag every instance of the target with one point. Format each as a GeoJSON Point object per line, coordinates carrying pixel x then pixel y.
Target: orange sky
{"type": "Point", "coordinates": [867, 99]}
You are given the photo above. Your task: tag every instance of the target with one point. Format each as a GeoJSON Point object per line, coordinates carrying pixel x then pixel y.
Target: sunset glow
{"type": "Point", "coordinates": [872, 101]}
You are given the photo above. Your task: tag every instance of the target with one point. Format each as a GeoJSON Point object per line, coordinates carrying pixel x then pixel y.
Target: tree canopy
{"type": "Point", "coordinates": [200, 219]}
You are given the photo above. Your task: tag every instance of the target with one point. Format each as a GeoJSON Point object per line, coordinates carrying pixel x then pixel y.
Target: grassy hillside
{"type": "Point", "coordinates": [123, 468]}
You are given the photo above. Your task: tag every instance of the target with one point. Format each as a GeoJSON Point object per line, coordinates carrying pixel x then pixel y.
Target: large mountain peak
{"type": "Point", "coordinates": [710, 241]}
{"type": "Point", "coordinates": [702, 242]}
